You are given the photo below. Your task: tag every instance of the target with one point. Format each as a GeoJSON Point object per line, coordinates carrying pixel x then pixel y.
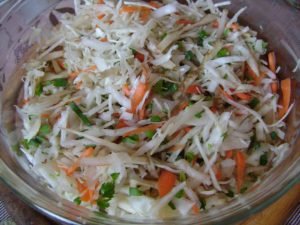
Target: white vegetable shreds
{"type": "Point", "coordinates": [150, 109]}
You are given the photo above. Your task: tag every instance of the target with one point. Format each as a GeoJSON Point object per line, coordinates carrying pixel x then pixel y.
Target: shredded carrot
{"type": "Point", "coordinates": [194, 89]}
{"type": "Point", "coordinates": [229, 154]}
{"type": "Point", "coordinates": [166, 182]}
{"type": "Point", "coordinates": [45, 115]}
{"type": "Point", "coordinates": [73, 75]}
{"type": "Point", "coordinates": [257, 79]}
{"type": "Point", "coordinates": [103, 39]}
{"type": "Point", "coordinates": [244, 96]}
{"type": "Point", "coordinates": [61, 63]}
{"type": "Point", "coordinates": [139, 56]}
{"type": "Point", "coordinates": [274, 87]}
{"type": "Point", "coordinates": [217, 172]}
{"type": "Point", "coordinates": [215, 24]}
{"type": "Point", "coordinates": [116, 114]}
{"type": "Point", "coordinates": [140, 130]}
{"type": "Point", "coordinates": [121, 124]}
{"type": "Point", "coordinates": [144, 14]}
{"type": "Point", "coordinates": [126, 90]}
{"type": "Point", "coordinates": [100, 1]}
{"type": "Point", "coordinates": [138, 96]}
{"type": "Point", "coordinates": [142, 112]}
{"type": "Point", "coordinates": [24, 102]}
{"type": "Point", "coordinates": [240, 169]}
{"type": "Point", "coordinates": [225, 94]}
{"type": "Point", "coordinates": [214, 109]}
{"type": "Point", "coordinates": [272, 61]}
{"type": "Point", "coordinates": [87, 152]}
{"type": "Point", "coordinates": [286, 86]}
{"type": "Point", "coordinates": [176, 147]}
{"type": "Point", "coordinates": [235, 26]}
{"type": "Point", "coordinates": [195, 209]}
{"type": "Point", "coordinates": [179, 108]}
{"type": "Point", "coordinates": [154, 4]}
{"type": "Point", "coordinates": [184, 21]}
{"type": "Point", "coordinates": [86, 193]}
{"type": "Point", "coordinates": [101, 16]}
{"type": "Point", "coordinates": [78, 85]}
{"type": "Point", "coordinates": [129, 9]}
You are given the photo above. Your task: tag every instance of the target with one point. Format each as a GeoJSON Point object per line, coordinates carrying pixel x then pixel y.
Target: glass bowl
{"type": "Point", "coordinates": [276, 21]}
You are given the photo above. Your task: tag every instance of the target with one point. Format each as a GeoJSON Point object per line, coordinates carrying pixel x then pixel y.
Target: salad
{"type": "Point", "coordinates": [152, 109]}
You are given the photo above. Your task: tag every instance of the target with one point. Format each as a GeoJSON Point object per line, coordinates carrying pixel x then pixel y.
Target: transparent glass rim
{"type": "Point", "coordinates": [66, 212]}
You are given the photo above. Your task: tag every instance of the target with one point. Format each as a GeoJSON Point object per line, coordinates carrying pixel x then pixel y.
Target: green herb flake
{"type": "Point", "coordinates": [182, 177]}
{"type": "Point", "coordinates": [226, 32]}
{"type": "Point", "coordinates": [135, 191]}
{"type": "Point", "coordinates": [202, 203]}
{"type": "Point", "coordinates": [38, 89]}
{"type": "Point", "coordinates": [189, 55]}
{"type": "Point", "coordinates": [59, 82]}
{"type": "Point", "coordinates": [77, 201]}
{"type": "Point", "coordinates": [149, 133]}
{"type": "Point", "coordinates": [107, 190]}
{"type": "Point", "coordinates": [243, 190]}
{"type": "Point", "coordinates": [80, 114]}
{"type": "Point", "coordinates": [199, 114]}
{"type": "Point", "coordinates": [103, 203]}
{"type": "Point", "coordinates": [273, 135]}
{"type": "Point", "coordinates": [180, 45]}
{"type": "Point", "coordinates": [155, 118]}
{"type": "Point", "coordinates": [253, 103]}
{"type": "Point", "coordinates": [230, 194]}
{"type": "Point", "coordinates": [202, 35]}
{"type": "Point", "coordinates": [179, 194]}
{"type": "Point", "coordinates": [45, 129]}
{"type": "Point", "coordinates": [224, 135]}
{"type": "Point", "coordinates": [133, 139]}
{"type": "Point", "coordinates": [171, 205]}
{"type": "Point", "coordinates": [115, 176]}
{"type": "Point", "coordinates": [133, 51]}
{"type": "Point", "coordinates": [263, 160]}
{"type": "Point", "coordinates": [223, 53]}
{"type": "Point", "coordinates": [165, 88]}
{"type": "Point", "coordinates": [163, 36]}
{"type": "Point", "coordinates": [190, 156]}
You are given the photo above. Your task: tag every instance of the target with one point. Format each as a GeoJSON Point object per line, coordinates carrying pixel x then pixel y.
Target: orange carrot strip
{"type": "Point", "coordinates": [215, 24]}
{"type": "Point", "coordinates": [45, 115]}
{"type": "Point", "coordinates": [217, 172]}
{"type": "Point", "coordinates": [138, 96]}
{"type": "Point", "coordinates": [195, 209]}
{"type": "Point", "coordinates": [256, 79]}
{"type": "Point", "coordinates": [100, 1]}
{"type": "Point", "coordinates": [272, 61]}
{"type": "Point", "coordinates": [244, 96]}
{"type": "Point", "coordinates": [179, 108]}
{"type": "Point", "coordinates": [274, 87]}
{"type": "Point", "coordinates": [103, 39]}
{"type": "Point", "coordinates": [166, 182]}
{"type": "Point", "coordinates": [87, 152]}
{"type": "Point", "coordinates": [73, 75]}
{"type": "Point", "coordinates": [129, 9]}
{"type": "Point", "coordinates": [286, 86]}
{"type": "Point", "coordinates": [229, 154]}
{"type": "Point", "coordinates": [154, 4]}
{"type": "Point", "coordinates": [126, 90]}
{"type": "Point", "coordinates": [140, 130]}
{"type": "Point", "coordinates": [61, 63]}
{"type": "Point", "coordinates": [184, 21]}
{"type": "Point", "coordinates": [234, 26]}
{"type": "Point", "coordinates": [121, 124]}
{"type": "Point", "coordinates": [101, 16]}
{"type": "Point", "coordinates": [225, 94]}
{"type": "Point", "coordinates": [240, 169]}
{"type": "Point", "coordinates": [193, 89]}
{"type": "Point", "coordinates": [139, 56]}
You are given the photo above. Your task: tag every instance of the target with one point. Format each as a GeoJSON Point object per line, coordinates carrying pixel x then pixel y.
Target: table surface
{"type": "Point", "coordinates": [275, 214]}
